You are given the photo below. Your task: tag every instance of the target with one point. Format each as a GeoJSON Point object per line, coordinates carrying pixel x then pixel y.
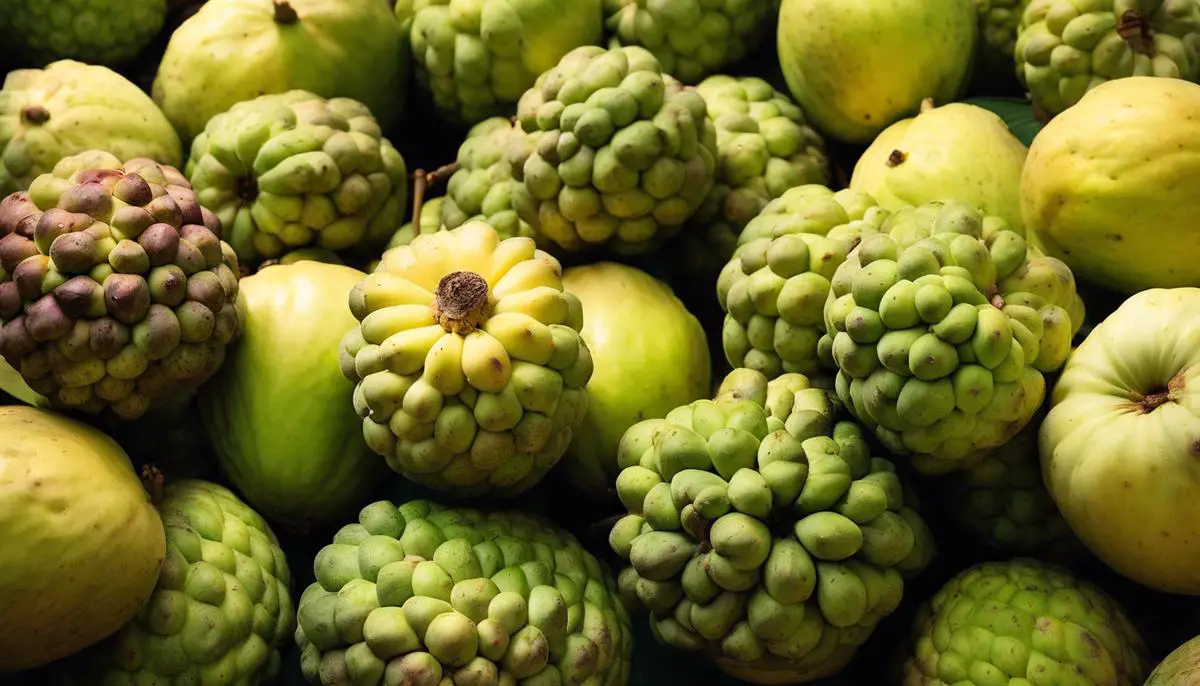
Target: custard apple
{"type": "Point", "coordinates": [292, 170]}
{"type": "Point", "coordinates": [116, 290]}
{"type": "Point", "coordinates": [469, 366]}
{"type": "Point", "coordinates": [622, 154]}
{"type": "Point", "coordinates": [426, 595]}
{"type": "Point", "coordinates": [104, 32]}
{"type": "Point", "coordinates": [761, 531]}
{"type": "Point", "coordinates": [482, 187]}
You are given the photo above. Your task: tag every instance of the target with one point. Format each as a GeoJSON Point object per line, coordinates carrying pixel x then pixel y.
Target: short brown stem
{"type": "Point", "coordinates": [35, 114]}
{"type": "Point", "coordinates": [461, 302]}
{"type": "Point", "coordinates": [422, 181]}
{"type": "Point", "coordinates": [285, 13]}
{"type": "Point", "coordinates": [153, 481]}
{"type": "Point", "coordinates": [897, 158]}
{"type": "Point", "coordinates": [1136, 31]}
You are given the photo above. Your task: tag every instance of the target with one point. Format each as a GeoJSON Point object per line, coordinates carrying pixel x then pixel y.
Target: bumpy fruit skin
{"type": "Point", "coordinates": [69, 108]}
{"type": "Point", "coordinates": [691, 39]}
{"type": "Point", "coordinates": [293, 169]}
{"type": "Point", "coordinates": [857, 67]}
{"type": "Point", "coordinates": [1023, 621]}
{"type": "Point", "coordinates": [650, 356]}
{"type": "Point", "coordinates": [621, 156]}
{"type": "Point", "coordinates": [957, 151]}
{"type": "Point", "coordinates": [482, 187]}
{"type": "Point", "coordinates": [221, 612]}
{"type": "Point", "coordinates": [764, 147]}
{"type": "Point", "coordinates": [236, 50]}
{"type": "Point", "coordinates": [1179, 668]}
{"type": "Point", "coordinates": [761, 531]}
{"type": "Point", "coordinates": [476, 57]}
{"type": "Point", "coordinates": [430, 222]}
{"type": "Point", "coordinates": [1003, 501]}
{"type": "Point", "coordinates": [423, 594]}
{"type": "Point", "coordinates": [83, 543]}
{"type": "Point", "coordinates": [773, 290]}
{"type": "Point", "coordinates": [998, 24]}
{"type": "Point", "coordinates": [469, 367]}
{"type": "Point", "coordinates": [1064, 49]}
{"type": "Point", "coordinates": [301, 461]}
{"type": "Point", "coordinates": [116, 290]}
{"type": "Point", "coordinates": [93, 31]}
{"type": "Point", "coordinates": [941, 328]}
{"type": "Point", "coordinates": [1080, 181]}
{"type": "Point", "coordinates": [1123, 425]}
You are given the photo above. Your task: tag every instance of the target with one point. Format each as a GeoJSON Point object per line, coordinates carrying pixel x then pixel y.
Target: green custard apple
{"type": "Point", "coordinates": [1023, 621]}
{"type": "Point", "coordinates": [221, 612]}
{"type": "Point", "coordinates": [957, 152]}
{"type": "Point", "coordinates": [302, 461]}
{"type": "Point", "coordinates": [294, 170]}
{"type": "Point", "coordinates": [483, 186]}
{"type": "Point", "coordinates": [94, 31]}
{"type": "Point", "coordinates": [235, 50]}
{"type": "Point", "coordinates": [941, 328]}
{"type": "Point", "coordinates": [83, 543]}
{"type": "Point", "coordinates": [69, 108]}
{"type": "Point", "coordinates": [762, 532]}
{"type": "Point", "coordinates": [470, 372]}
{"type": "Point", "coordinates": [764, 147]}
{"type": "Point", "coordinates": [1122, 426]}
{"type": "Point", "coordinates": [476, 57]}
{"type": "Point", "coordinates": [855, 68]}
{"type": "Point", "coordinates": [1066, 48]}
{"type": "Point", "coordinates": [1081, 180]}
{"type": "Point", "coordinates": [773, 290]}
{"type": "Point", "coordinates": [1179, 668]}
{"type": "Point", "coordinates": [621, 156]}
{"type": "Point", "coordinates": [427, 595]}
{"type": "Point", "coordinates": [691, 38]}
{"type": "Point", "coordinates": [641, 371]}
{"type": "Point", "coordinates": [116, 291]}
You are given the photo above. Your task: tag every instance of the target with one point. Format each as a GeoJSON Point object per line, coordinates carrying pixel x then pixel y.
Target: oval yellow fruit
{"type": "Point", "coordinates": [1112, 185]}
{"type": "Point", "coordinates": [82, 543]}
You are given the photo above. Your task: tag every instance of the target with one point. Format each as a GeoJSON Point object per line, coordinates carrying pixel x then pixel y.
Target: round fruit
{"type": "Point", "coordinates": [482, 187]}
{"type": "Point", "coordinates": [941, 328]}
{"type": "Point", "coordinates": [476, 57]}
{"type": "Point", "coordinates": [280, 414]}
{"type": "Point", "coordinates": [93, 31]}
{"type": "Point", "coordinates": [1023, 622]}
{"type": "Point", "coordinates": [1179, 668]}
{"type": "Point", "coordinates": [290, 170]}
{"type": "Point", "coordinates": [857, 67]}
{"type": "Point", "coordinates": [69, 108]}
{"type": "Point", "coordinates": [1066, 48]}
{"type": "Point", "coordinates": [426, 595]}
{"type": "Point", "coordinates": [430, 222]}
{"type": "Point", "coordinates": [236, 50]}
{"type": "Point", "coordinates": [691, 39]}
{"type": "Point", "coordinates": [957, 151]}
{"type": "Point", "coordinates": [764, 147]}
{"type": "Point", "coordinates": [761, 531]}
{"type": "Point", "coordinates": [621, 153]}
{"type": "Point", "coordinates": [650, 354]}
{"type": "Point", "coordinates": [774, 289]}
{"type": "Point", "coordinates": [221, 612]}
{"type": "Point", "coordinates": [469, 366]}
{"type": "Point", "coordinates": [116, 290]}
{"type": "Point", "coordinates": [1123, 427]}
{"type": "Point", "coordinates": [1082, 179]}
{"type": "Point", "coordinates": [82, 542]}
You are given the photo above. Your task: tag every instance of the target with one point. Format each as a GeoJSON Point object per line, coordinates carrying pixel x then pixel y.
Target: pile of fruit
{"type": "Point", "coordinates": [600, 342]}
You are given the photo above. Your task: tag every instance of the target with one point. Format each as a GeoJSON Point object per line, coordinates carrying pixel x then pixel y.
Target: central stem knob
{"type": "Point", "coordinates": [461, 302]}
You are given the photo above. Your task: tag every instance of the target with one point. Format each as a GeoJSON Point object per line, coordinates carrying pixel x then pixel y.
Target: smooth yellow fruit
{"type": "Point", "coordinates": [650, 354]}
{"type": "Point", "coordinates": [1112, 185]}
{"type": "Point", "coordinates": [81, 542]}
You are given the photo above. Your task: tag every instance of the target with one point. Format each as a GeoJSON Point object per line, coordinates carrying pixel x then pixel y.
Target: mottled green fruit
{"type": "Point", "coordinates": [483, 186]}
{"type": "Point", "coordinates": [107, 32]}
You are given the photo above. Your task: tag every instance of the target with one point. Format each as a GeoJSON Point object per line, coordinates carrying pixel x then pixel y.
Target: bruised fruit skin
{"type": "Point", "coordinates": [306, 171]}
{"type": "Point", "coordinates": [83, 543]}
{"type": "Point", "coordinates": [469, 368]}
{"type": "Point", "coordinates": [116, 290]}
{"type": "Point", "coordinates": [222, 596]}
{"type": "Point", "coordinates": [620, 154]}
{"type": "Point", "coordinates": [1055, 623]}
{"type": "Point", "coordinates": [424, 594]}
{"type": "Point", "coordinates": [761, 531]}
{"type": "Point", "coordinates": [69, 108]}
